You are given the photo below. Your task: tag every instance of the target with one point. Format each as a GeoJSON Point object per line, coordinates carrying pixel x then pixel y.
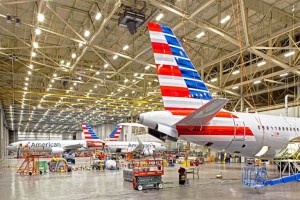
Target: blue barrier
{"type": "Point", "coordinates": [256, 177]}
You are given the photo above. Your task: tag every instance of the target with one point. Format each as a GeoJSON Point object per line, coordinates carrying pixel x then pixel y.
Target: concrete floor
{"type": "Point", "coordinates": [110, 185]}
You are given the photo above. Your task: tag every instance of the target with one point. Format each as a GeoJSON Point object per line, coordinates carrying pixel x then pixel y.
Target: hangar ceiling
{"type": "Point", "coordinates": [69, 61]}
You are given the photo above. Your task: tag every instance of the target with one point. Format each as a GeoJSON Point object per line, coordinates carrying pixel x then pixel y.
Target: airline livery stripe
{"type": "Point", "coordinates": [164, 59]}
{"type": "Point", "coordinates": [174, 91]}
{"type": "Point", "coordinates": [213, 138]}
{"type": "Point", "coordinates": [214, 130]}
{"type": "Point", "coordinates": [168, 70]}
{"type": "Point", "coordinates": [166, 30]}
{"type": "Point", "coordinates": [171, 81]}
{"type": "Point", "coordinates": [172, 40]}
{"type": "Point", "coordinates": [161, 48]}
{"type": "Point", "coordinates": [154, 27]}
{"type": "Point", "coordinates": [158, 37]}
{"type": "Point", "coordinates": [177, 52]}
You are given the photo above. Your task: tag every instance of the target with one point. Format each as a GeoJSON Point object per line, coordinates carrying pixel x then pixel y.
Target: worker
{"type": "Point", "coordinates": [197, 166]}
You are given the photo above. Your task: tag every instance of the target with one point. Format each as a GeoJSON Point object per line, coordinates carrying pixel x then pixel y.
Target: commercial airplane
{"type": "Point", "coordinates": [90, 143]}
{"type": "Point", "coordinates": [192, 114]}
{"type": "Point", "coordinates": [144, 148]}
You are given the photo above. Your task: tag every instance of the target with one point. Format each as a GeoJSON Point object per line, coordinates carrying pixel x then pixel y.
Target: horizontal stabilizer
{"type": "Point", "coordinates": [204, 114]}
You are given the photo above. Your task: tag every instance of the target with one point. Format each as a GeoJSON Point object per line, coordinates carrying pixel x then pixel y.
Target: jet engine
{"type": "Point", "coordinates": [57, 150]}
{"type": "Point", "coordinates": [148, 152]}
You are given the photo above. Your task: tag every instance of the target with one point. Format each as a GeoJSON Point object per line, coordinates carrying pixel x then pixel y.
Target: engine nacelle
{"type": "Point", "coordinates": [167, 130]}
{"type": "Point", "coordinates": [148, 152]}
{"type": "Point", "coordinates": [57, 150]}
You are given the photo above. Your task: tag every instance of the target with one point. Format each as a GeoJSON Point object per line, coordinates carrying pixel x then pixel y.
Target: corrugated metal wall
{"type": "Point", "coordinates": [3, 135]}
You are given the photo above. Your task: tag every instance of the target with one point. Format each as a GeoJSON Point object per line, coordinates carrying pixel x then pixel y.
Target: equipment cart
{"type": "Point", "coordinates": [147, 174]}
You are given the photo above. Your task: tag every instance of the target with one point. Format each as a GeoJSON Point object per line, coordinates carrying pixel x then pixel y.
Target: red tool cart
{"type": "Point", "coordinates": [147, 174]}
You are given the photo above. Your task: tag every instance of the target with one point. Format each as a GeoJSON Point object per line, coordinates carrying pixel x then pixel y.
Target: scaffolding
{"type": "Point", "coordinates": [30, 160]}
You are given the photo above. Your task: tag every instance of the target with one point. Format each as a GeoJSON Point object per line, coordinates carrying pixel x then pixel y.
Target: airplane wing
{"type": "Point", "coordinates": [204, 114]}
{"type": "Point", "coordinates": [73, 147]}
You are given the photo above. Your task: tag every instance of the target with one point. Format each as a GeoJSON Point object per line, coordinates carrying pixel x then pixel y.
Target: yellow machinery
{"type": "Point", "coordinates": [59, 165]}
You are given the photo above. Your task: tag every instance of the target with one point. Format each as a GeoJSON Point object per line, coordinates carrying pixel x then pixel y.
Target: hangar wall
{"type": "Point", "coordinates": [43, 136]}
{"type": "Point", "coordinates": [3, 135]}
{"type": "Point", "coordinates": [292, 112]}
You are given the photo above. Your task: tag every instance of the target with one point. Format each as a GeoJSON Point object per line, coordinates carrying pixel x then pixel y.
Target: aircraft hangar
{"type": "Point", "coordinates": [86, 79]}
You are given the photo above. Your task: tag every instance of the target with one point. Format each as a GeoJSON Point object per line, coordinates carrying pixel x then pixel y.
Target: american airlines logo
{"type": "Point", "coordinates": [44, 144]}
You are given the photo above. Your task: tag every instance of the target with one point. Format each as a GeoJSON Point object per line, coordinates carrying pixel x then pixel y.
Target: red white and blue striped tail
{"type": "Point", "coordinates": [180, 84]}
{"type": "Point", "coordinates": [115, 134]}
{"type": "Point", "coordinates": [88, 132]}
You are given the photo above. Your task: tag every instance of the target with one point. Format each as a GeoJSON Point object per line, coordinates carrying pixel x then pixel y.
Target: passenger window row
{"type": "Point", "coordinates": [275, 128]}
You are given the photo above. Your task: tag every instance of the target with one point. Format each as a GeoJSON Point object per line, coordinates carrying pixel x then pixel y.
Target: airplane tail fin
{"type": "Point", "coordinates": [115, 134]}
{"type": "Point", "coordinates": [88, 132]}
{"type": "Point", "coordinates": [180, 84]}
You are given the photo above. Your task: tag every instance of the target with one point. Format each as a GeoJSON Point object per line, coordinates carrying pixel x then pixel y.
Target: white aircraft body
{"type": "Point", "coordinates": [144, 148]}
{"type": "Point", "coordinates": [193, 115]}
{"type": "Point", "coordinates": [91, 142]}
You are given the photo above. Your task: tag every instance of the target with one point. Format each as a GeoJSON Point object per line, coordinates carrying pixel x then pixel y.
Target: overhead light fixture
{"type": "Point", "coordinates": [18, 22]}
{"type": "Point", "coordinates": [95, 86]}
{"type": "Point", "coordinates": [115, 57]}
{"type": "Point", "coordinates": [74, 84]}
{"type": "Point", "coordinates": [80, 44]}
{"type": "Point", "coordinates": [62, 62]}
{"type": "Point", "coordinates": [33, 54]}
{"type": "Point", "coordinates": [135, 74]}
{"type": "Point", "coordinates": [27, 79]}
{"type": "Point", "coordinates": [54, 75]}
{"type": "Point", "coordinates": [125, 47]}
{"type": "Point", "coordinates": [235, 88]}
{"type": "Point", "coordinates": [87, 33]}
{"type": "Point", "coordinates": [213, 80]}
{"type": "Point", "coordinates": [159, 17]}
{"type": "Point", "coordinates": [97, 73]}
{"type": "Point", "coordinates": [288, 54]}
{"type": "Point", "coordinates": [201, 34]}
{"type": "Point", "coordinates": [25, 88]}
{"type": "Point", "coordinates": [29, 72]}
{"type": "Point", "coordinates": [147, 67]}
{"type": "Point", "coordinates": [41, 17]}
{"type": "Point", "coordinates": [73, 55]}
{"type": "Point", "coordinates": [30, 66]}
{"type": "Point", "coordinates": [106, 65]}
{"type": "Point", "coordinates": [68, 64]}
{"type": "Point", "coordinates": [126, 80]}
{"type": "Point", "coordinates": [225, 19]}
{"type": "Point", "coordinates": [257, 82]}
{"type": "Point", "coordinates": [282, 75]}
{"type": "Point", "coordinates": [236, 72]}
{"type": "Point", "coordinates": [8, 19]}
{"type": "Point", "coordinates": [38, 31]}
{"type": "Point", "coordinates": [261, 63]}
{"type": "Point", "coordinates": [35, 45]}
{"type": "Point", "coordinates": [98, 16]}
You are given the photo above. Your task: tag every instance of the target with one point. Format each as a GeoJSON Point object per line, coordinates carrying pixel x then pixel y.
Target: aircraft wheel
{"type": "Point", "coordinates": [160, 186]}
{"type": "Point", "coordinates": [30, 173]}
{"type": "Point", "coordinates": [140, 187]}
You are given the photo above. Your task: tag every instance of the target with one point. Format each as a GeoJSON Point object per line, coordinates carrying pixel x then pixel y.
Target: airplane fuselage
{"type": "Point", "coordinates": [240, 133]}
{"type": "Point", "coordinates": [125, 147]}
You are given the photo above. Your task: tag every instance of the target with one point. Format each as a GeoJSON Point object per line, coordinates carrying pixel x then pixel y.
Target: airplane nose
{"type": "Point", "coordinates": [9, 148]}
{"type": "Point", "coordinates": [141, 119]}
